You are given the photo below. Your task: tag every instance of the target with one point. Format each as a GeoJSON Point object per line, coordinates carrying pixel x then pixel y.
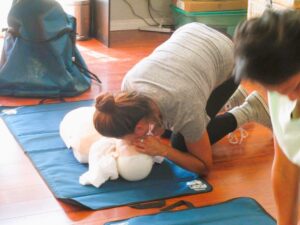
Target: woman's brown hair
{"type": "Point", "coordinates": [116, 115]}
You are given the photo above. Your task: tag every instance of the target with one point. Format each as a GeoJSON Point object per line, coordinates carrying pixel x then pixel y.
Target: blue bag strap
{"type": "Point", "coordinates": [89, 75]}
{"type": "Point", "coordinates": [75, 61]}
{"type": "Point", "coordinates": [59, 34]}
{"type": "Point", "coordinates": [189, 205]}
{"type": "Point", "coordinates": [58, 99]}
{"type": "Point", "coordinates": [149, 205]}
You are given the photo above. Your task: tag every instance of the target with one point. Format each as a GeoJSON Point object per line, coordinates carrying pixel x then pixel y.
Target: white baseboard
{"type": "Point", "coordinates": [133, 24]}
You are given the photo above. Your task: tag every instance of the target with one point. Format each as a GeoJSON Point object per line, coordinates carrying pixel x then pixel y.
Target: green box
{"type": "Point", "coordinates": [225, 21]}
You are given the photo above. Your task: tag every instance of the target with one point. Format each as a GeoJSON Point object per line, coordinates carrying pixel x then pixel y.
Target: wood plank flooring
{"type": "Point", "coordinates": [239, 170]}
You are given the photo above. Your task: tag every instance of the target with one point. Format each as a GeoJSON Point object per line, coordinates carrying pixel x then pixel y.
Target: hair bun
{"type": "Point", "coordinates": [105, 103]}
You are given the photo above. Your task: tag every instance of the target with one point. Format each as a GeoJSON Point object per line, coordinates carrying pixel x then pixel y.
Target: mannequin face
{"type": "Point", "coordinates": [290, 88]}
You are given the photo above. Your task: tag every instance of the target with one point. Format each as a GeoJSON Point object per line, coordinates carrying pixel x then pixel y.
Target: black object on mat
{"type": "Point", "coordinates": [239, 211]}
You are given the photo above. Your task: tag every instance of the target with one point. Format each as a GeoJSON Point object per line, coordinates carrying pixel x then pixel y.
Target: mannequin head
{"type": "Point", "coordinates": [132, 165]}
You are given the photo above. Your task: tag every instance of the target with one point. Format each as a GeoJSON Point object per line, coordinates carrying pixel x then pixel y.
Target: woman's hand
{"type": "Point", "coordinates": [198, 159]}
{"type": "Point", "coordinates": [151, 145]}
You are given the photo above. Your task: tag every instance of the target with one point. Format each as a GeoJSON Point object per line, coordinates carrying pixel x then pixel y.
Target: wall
{"type": "Point", "coordinates": [123, 19]}
{"type": "Point", "coordinates": [4, 9]}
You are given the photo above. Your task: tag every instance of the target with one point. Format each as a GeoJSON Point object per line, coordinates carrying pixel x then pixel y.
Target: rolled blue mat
{"type": "Point", "coordinates": [239, 211]}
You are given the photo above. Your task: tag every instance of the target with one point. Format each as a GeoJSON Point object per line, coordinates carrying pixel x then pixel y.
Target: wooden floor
{"type": "Point", "coordinates": [239, 169]}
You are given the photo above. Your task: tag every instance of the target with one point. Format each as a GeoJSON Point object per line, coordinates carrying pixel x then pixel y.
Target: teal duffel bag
{"type": "Point", "coordinates": [39, 57]}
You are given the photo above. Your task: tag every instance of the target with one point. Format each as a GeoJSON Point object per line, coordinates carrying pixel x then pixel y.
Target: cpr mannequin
{"type": "Point", "coordinates": [107, 157]}
{"type": "Point", "coordinates": [78, 132]}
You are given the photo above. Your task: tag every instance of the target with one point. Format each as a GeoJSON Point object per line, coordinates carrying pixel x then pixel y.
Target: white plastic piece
{"type": "Point", "coordinates": [156, 29]}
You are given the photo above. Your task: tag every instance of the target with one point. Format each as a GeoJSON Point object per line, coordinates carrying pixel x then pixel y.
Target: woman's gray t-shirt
{"type": "Point", "coordinates": [180, 75]}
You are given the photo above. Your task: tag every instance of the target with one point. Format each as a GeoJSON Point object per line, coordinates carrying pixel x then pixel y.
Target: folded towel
{"type": "Point", "coordinates": [102, 163]}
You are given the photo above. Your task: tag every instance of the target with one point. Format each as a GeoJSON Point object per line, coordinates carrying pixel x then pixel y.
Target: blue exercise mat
{"type": "Point", "coordinates": [239, 211]}
{"type": "Point", "coordinates": [36, 128]}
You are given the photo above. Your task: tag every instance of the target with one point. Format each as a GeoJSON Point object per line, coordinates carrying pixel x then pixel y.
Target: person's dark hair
{"type": "Point", "coordinates": [116, 115]}
{"type": "Point", "coordinates": [267, 48]}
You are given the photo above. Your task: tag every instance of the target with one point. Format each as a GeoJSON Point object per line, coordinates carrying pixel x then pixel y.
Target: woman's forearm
{"type": "Point", "coordinates": [187, 161]}
{"type": "Point", "coordinates": [285, 180]}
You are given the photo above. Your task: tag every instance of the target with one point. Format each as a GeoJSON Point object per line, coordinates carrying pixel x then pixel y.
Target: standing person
{"type": "Point", "coordinates": [181, 86]}
{"type": "Point", "coordinates": [267, 51]}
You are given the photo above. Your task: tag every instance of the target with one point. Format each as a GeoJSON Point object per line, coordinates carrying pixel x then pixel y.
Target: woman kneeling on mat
{"type": "Point", "coordinates": [268, 52]}
{"type": "Point", "coordinates": [181, 87]}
